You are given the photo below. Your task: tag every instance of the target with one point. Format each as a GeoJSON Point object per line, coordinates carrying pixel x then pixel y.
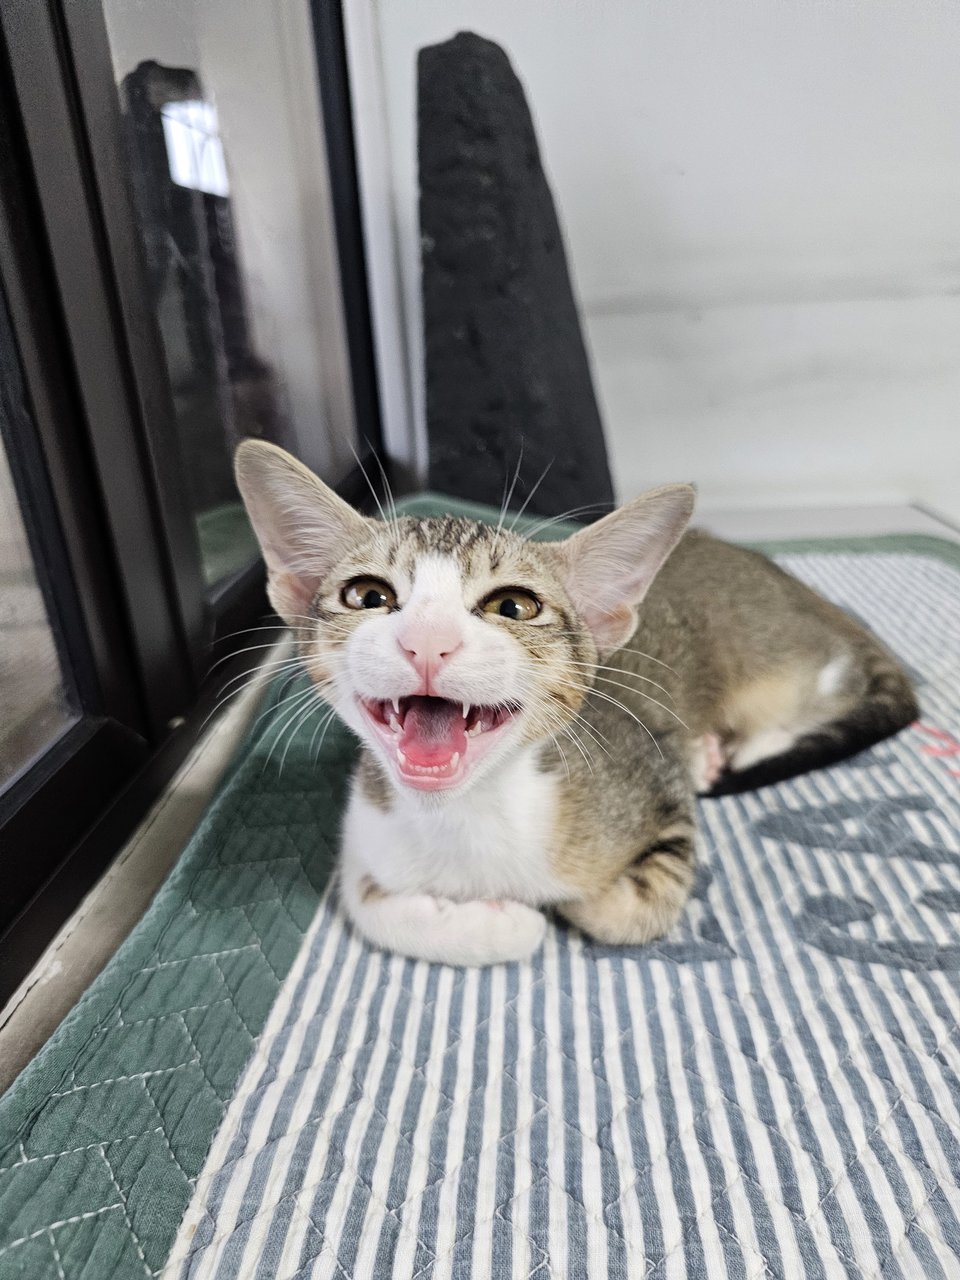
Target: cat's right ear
{"type": "Point", "coordinates": [302, 526]}
{"type": "Point", "coordinates": [608, 566]}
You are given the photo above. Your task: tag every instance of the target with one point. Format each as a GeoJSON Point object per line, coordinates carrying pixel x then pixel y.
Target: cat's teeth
{"type": "Point", "coordinates": [396, 706]}
{"type": "Point", "coordinates": [395, 724]}
{"type": "Point", "coordinates": [466, 710]}
{"type": "Point", "coordinates": [473, 730]}
{"type": "Point", "coordinates": [401, 758]}
{"type": "Point", "coordinates": [454, 761]}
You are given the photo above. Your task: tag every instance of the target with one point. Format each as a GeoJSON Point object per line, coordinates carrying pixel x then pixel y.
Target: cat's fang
{"type": "Point", "coordinates": [435, 742]}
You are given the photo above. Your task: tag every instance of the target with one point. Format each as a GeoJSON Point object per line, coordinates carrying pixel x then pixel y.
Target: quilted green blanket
{"type": "Point", "coordinates": [774, 1090]}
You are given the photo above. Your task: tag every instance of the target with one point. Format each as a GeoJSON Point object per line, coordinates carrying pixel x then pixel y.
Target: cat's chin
{"type": "Point", "coordinates": [435, 744]}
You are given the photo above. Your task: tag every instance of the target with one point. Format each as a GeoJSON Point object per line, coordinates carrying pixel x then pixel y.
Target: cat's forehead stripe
{"type": "Point", "coordinates": [467, 541]}
{"type": "Point", "coordinates": [451, 534]}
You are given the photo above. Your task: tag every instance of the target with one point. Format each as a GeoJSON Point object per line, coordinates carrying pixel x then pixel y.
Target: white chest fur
{"type": "Point", "coordinates": [492, 842]}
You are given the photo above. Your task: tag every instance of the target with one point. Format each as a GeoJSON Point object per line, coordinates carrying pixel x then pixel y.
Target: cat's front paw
{"type": "Point", "coordinates": [503, 930]}
{"type": "Point", "coordinates": [446, 932]}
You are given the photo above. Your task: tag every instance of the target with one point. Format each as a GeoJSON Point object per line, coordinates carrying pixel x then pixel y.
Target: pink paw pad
{"type": "Point", "coordinates": [715, 758]}
{"type": "Point", "coordinates": [710, 761]}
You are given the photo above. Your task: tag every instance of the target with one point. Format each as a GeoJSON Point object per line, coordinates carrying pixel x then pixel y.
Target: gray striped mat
{"type": "Point", "coordinates": [772, 1091]}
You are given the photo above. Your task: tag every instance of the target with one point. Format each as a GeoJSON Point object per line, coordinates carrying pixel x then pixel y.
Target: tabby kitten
{"type": "Point", "coordinates": [532, 737]}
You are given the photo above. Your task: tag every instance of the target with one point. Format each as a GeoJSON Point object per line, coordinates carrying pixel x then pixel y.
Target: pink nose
{"type": "Point", "coordinates": [429, 645]}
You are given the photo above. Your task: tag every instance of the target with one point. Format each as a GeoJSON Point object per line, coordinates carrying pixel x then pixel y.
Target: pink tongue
{"type": "Point", "coordinates": [433, 729]}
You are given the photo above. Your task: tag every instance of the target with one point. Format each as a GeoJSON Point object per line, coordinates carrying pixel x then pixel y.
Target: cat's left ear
{"type": "Point", "coordinates": [608, 567]}
{"type": "Point", "coordinates": [302, 526]}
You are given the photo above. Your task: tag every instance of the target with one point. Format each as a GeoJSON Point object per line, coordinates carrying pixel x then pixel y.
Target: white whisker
{"type": "Point", "coordinates": [291, 736]}
{"type": "Point", "coordinates": [616, 702]}
{"type": "Point", "coordinates": [543, 476]}
{"type": "Point", "coordinates": [640, 694]}
{"type": "Point", "coordinates": [634, 675]}
{"type": "Point", "coordinates": [563, 756]}
{"type": "Point", "coordinates": [586, 509]}
{"type": "Point", "coordinates": [312, 698]}
{"type": "Point", "coordinates": [506, 500]}
{"type": "Point", "coordinates": [324, 725]}
{"type": "Point", "coordinates": [373, 491]}
{"type": "Point", "coordinates": [395, 518]}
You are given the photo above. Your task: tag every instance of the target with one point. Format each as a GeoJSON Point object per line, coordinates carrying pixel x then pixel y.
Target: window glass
{"type": "Point", "coordinates": [34, 707]}
{"type": "Point", "coordinates": [227, 162]}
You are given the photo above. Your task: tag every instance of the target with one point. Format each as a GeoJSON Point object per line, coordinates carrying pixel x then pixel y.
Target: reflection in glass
{"type": "Point", "coordinates": [225, 145]}
{"type": "Point", "coordinates": [33, 703]}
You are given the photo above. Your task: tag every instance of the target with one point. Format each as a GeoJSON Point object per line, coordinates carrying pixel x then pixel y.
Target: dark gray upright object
{"type": "Point", "coordinates": [504, 355]}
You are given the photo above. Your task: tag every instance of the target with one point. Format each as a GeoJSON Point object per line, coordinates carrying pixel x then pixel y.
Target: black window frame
{"type": "Point", "coordinates": [95, 464]}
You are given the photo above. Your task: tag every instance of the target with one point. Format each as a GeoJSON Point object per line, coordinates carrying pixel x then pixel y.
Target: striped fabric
{"type": "Point", "coordinates": [774, 1090]}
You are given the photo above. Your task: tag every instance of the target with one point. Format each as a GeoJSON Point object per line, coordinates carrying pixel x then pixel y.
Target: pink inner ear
{"type": "Point", "coordinates": [611, 628]}
{"type": "Point", "coordinates": [291, 594]}
{"type": "Point", "coordinates": [609, 566]}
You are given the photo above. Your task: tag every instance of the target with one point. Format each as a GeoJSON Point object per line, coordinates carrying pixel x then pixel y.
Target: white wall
{"type": "Point", "coordinates": [762, 211]}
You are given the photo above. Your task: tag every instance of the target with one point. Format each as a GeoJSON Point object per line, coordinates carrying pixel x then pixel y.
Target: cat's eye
{"type": "Point", "coordinates": [517, 605]}
{"type": "Point", "coordinates": [369, 593]}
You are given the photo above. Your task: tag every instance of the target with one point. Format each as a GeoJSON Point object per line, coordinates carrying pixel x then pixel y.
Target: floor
{"type": "Point", "coordinates": [113, 907]}
{"type": "Point", "coordinates": [760, 523]}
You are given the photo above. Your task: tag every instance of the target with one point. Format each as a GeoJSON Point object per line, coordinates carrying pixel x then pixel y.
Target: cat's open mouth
{"type": "Point", "coordinates": [434, 740]}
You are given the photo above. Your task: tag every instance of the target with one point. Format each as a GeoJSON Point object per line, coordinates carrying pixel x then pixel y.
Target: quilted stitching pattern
{"type": "Point", "coordinates": [103, 1136]}
{"type": "Point", "coordinates": [772, 1091]}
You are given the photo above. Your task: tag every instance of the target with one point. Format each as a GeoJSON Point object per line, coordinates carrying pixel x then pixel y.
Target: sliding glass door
{"type": "Point", "coordinates": [181, 266]}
